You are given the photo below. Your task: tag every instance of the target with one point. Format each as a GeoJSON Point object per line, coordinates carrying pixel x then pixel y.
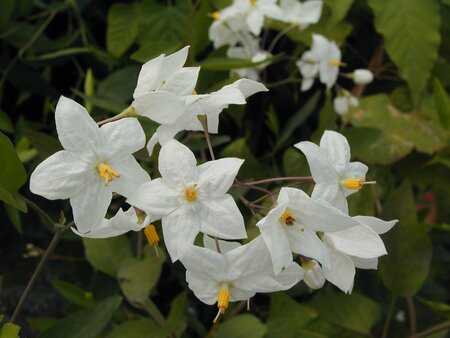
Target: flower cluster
{"type": "Point", "coordinates": [302, 237]}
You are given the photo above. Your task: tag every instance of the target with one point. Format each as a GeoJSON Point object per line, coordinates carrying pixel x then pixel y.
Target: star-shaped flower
{"type": "Point", "coordinates": [95, 163]}
{"type": "Point", "coordinates": [191, 198]}
{"type": "Point", "coordinates": [301, 13]}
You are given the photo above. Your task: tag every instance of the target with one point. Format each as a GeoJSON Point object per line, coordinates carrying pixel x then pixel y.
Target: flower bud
{"type": "Point", "coordinates": [362, 76]}
{"type": "Point", "coordinates": [313, 277]}
{"type": "Point", "coordinates": [340, 104]}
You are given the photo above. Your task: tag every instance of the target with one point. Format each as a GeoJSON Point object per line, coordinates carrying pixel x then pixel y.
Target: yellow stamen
{"type": "Point", "coordinates": [194, 92]}
{"type": "Point", "coordinates": [253, 2]}
{"type": "Point", "coordinates": [107, 173]}
{"type": "Point", "coordinates": [336, 63]}
{"type": "Point", "coordinates": [215, 15]}
{"type": "Point", "coordinates": [152, 236]}
{"type": "Point", "coordinates": [190, 193]}
{"type": "Point", "coordinates": [357, 183]}
{"type": "Point", "coordinates": [287, 218]}
{"type": "Point", "coordinates": [223, 299]}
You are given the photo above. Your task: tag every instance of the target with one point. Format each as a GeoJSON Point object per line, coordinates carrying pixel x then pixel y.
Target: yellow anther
{"type": "Point", "coordinates": [190, 193]}
{"type": "Point", "coordinates": [287, 218]}
{"type": "Point", "coordinates": [194, 92]}
{"type": "Point", "coordinates": [152, 236]}
{"type": "Point", "coordinates": [215, 15]}
{"type": "Point", "coordinates": [223, 299]}
{"type": "Point", "coordinates": [107, 173]}
{"type": "Point", "coordinates": [253, 2]}
{"type": "Point", "coordinates": [356, 183]}
{"type": "Point", "coordinates": [336, 63]}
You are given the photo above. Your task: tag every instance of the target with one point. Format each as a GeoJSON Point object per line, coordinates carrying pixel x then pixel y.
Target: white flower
{"type": "Point", "coordinates": [95, 163]}
{"type": "Point", "coordinates": [227, 27]}
{"type": "Point", "coordinates": [191, 198]}
{"type": "Point", "coordinates": [343, 102]}
{"type": "Point", "coordinates": [119, 224]}
{"type": "Point", "coordinates": [335, 176]}
{"type": "Point", "coordinates": [184, 117]}
{"type": "Point", "coordinates": [362, 76]}
{"type": "Point", "coordinates": [313, 277]}
{"type": "Point", "coordinates": [292, 224]}
{"type": "Point", "coordinates": [302, 14]}
{"type": "Point", "coordinates": [308, 66]}
{"type": "Point", "coordinates": [235, 274]}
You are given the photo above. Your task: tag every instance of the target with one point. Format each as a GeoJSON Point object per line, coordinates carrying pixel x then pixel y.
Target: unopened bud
{"type": "Point", "coordinates": [362, 76]}
{"type": "Point", "coordinates": [313, 277]}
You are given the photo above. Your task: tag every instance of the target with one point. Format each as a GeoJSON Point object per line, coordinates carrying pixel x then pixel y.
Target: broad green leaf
{"type": "Point", "coordinates": [45, 145]}
{"type": "Point", "coordinates": [9, 330]}
{"type": "Point", "coordinates": [199, 29]}
{"type": "Point", "coordinates": [105, 104]}
{"type": "Point", "coordinates": [163, 23]}
{"type": "Point", "coordinates": [42, 324]}
{"type": "Point", "coordinates": [137, 277]}
{"type": "Point", "coordinates": [13, 199]}
{"type": "Point", "coordinates": [151, 49]}
{"type": "Point", "coordinates": [6, 124]}
{"type": "Point", "coordinates": [141, 328]}
{"type": "Point", "coordinates": [107, 254]}
{"type": "Point", "coordinates": [176, 321]}
{"type": "Point", "coordinates": [406, 266]}
{"type": "Point", "coordinates": [6, 13]}
{"type": "Point", "coordinates": [85, 323]}
{"type": "Point", "coordinates": [294, 163]}
{"type": "Point", "coordinates": [411, 32]}
{"type": "Point", "coordinates": [401, 132]}
{"type": "Point", "coordinates": [242, 326]}
{"type": "Point", "coordinates": [287, 318]}
{"type": "Point", "coordinates": [339, 10]}
{"type": "Point", "coordinates": [12, 172]}
{"type": "Point", "coordinates": [224, 63]}
{"type": "Point", "coordinates": [439, 307]}
{"type": "Point", "coordinates": [442, 102]}
{"type": "Point", "coordinates": [122, 27]}
{"type": "Point", "coordinates": [354, 312]}
{"type": "Point", "coordinates": [14, 217]}
{"type": "Point", "coordinates": [74, 294]}
{"type": "Point", "coordinates": [119, 85]}
{"type": "Point", "coordinates": [327, 118]}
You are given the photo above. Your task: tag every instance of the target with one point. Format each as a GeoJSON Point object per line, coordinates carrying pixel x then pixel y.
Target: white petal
{"type": "Point", "coordinates": [321, 168]}
{"type": "Point", "coordinates": [314, 277]}
{"type": "Point", "coordinates": [155, 198]}
{"type": "Point", "coordinates": [337, 150]}
{"type": "Point", "coordinates": [61, 175]}
{"type": "Point", "coordinates": [161, 107]}
{"type": "Point", "coordinates": [378, 225]}
{"type": "Point", "coordinates": [205, 289]}
{"type": "Point", "coordinates": [225, 246]}
{"type": "Point", "coordinates": [177, 164]}
{"type": "Point", "coordinates": [255, 22]}
{"type": "Point", "coordinates": [216, 177]}
{"type": "Point", "coordinates": [307, 243]}
{"type": "Point", "coordinates": [341, 105]}
{"type": "Point", "coordinates": [310, 12]}
{"type": "Point", "coordinates": [221, 217]}
{"type": "Point", "coordinates": [172, 64]}
{"type": "Point", "coordinates": [359, 241]}
{"type": "Point", "coordinates": [148, 76]}
{"type": "Point", "coordinates": [123, 137]}
{"type": "Point", "coordinates": [248, 87]}
{"type": "Point", "coordinates": [180, 226]}
{"type": "Point", "coordinates": [183, 82]}
{"type": "Point", "coordinates": [354, 170]}
{"type": "Point", "coordinates": [365, 263]}
{"type": "Point", "coordinates": [77, 131]}
{"type": "Point", "coordinates": [131, 176]}
{"type": "Point", "coordinates": [326, 191]}
{"type": "Point", "coordinates": [89, 206]}
{"type": "Point", "coordinates": [342, 272]}
{"type": "Point", "coordinates": [307, 83]}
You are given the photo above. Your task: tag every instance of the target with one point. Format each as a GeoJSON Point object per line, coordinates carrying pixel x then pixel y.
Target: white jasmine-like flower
{"type": "Point", "coordinates": [308, 66]}
{"type": "Point", "coordinates": [192, 106]}
{"type": "Point", "coordinates": [335, 176]}
{"type": "Point", "coordinates": [292, 224]}
{"type": "Point", "coordinates": [95, 163]}
{"type": "Point", "coordinates": [343, 102]}
{"type": "Point", "coordinates": [227, 27]}
{"type": "Point", "coordinates": [301, 13]}
{"type": "Point", "coordinates": [235, 274]}
{"type": "Point", "coordinates": [362, 76]}
{"type": "Point", "coordinates": [191, 198]}
{"type": "Point", "coordinates": [117, 225]}
{"type": "Point", "coordinates": [313, 277]}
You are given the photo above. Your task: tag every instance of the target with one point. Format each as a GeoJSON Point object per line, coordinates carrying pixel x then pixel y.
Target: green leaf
{"type": "Point", "coordinates": [242, 326]}
{"type": "Point", "coordinates": [411, 32]}
{"type": "Point", "coordinates": [9, 330]}
{"type": "Point", "coordinates": [119, 85]}
{"type": "Point", "coordinates": [401, 132]}
{"type": "Point", "coordinates": [122, 27]}
{"type": "Point", "coordinates": [327, 118]}
{"type": "Point", "coordinates": [406, 266]}
{"type": "Point", "coordinates": [6, 12]}
{"type": "Point", "coordinates": [6, 124]}
{"type": "Point", "coordinates": [339, 10]}
{"type": "Point", "coordinates": [14, 217]}
{"type": "Point", "coordinates": [105, 104]}
{"type": "Point", "coordinates": [140, 328]}
{"type": "Point", "coordinates": [287, 318]}
{"type": "Point", "coordinates": [201, 21]}
{"type": "Point", "coordinates": [107, 254]}
{"type": "Point", "coordinates": [354, 312]}
{"type": "Point", "coordinates": [12, 172]}
{"type": "Point", "coordinates": [86, 323]}
{"type": "Point", "coordinates": [74, 294]}
{"type": "Point", "coordinates": [294, 163]}
{"type": "Point", "coordinates": [438, 307]}
{"type": "Point", "coordinates": [152, 49]}
{"type": "Point", "coordinates": [44, 144]}
{"type": "Point", "coordinates": [42, 324]}
{"type": "Point", "coordinates": [224, 63]}
{"type": "Point", "coordinates": [176, 321]}
{"type": "Point", "coordinates": [137, 277]}
{"type": "Point", "coordinates": [442, 102]}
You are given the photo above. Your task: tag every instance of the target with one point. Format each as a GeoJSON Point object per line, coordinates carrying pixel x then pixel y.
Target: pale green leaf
{"type": "Point", "coordinates": [122, 27]}
{"type": "Point", "coordinates": [9, 330]}
{"type": "Point", "coordinates": [12, 172]}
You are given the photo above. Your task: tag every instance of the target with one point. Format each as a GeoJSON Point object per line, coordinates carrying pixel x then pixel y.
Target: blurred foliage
{"type": "Point", "coordinates": [92, 51]}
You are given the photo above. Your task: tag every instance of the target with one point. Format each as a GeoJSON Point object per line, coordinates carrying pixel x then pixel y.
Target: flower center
{"type": "Point", "coordinates": [107, 173]}
{"type": "Point", "coordinates": [190, 193]}
{"type": "Point", "coordinates": [223, 299]}
{"type": "Point", "coordinates": [336, 63]}
{"type": "Point", "coordinates": [356, 183]}
{"type": "Point", "coordinates": [287, 218]}
{"type": "Point", "coordinates": [216, 16]}
{"type": "Point", "coordinates": [152, 236]}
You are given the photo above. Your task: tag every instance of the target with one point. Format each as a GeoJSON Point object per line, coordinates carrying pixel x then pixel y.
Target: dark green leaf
{"type": "Point", "coordinates": [141, 328]}
{"type": "Point", "coordinates": [439, 307]}
{"type": "Point", "coordinates": [14, 217]}
{"type": "Point", "coordinates": [42, 324]}
{"type": "Point", "coordinates": [44, 144]}
{"type": "Point", "coordinates": [152, 49]}
{"type": "Point", "coordinates": [242, 326]}
{"type": "Point", "coordinates": [119, 86]}
{"type": "Point", "coordinates": [176, 321]}
{"type": "Point", "coordinates": [224, 63]}
{"type": "Point", "coordinates": [74, 294]}
{"type": "Point", "coordinates": [12, 172]}
{"type": "Point", "coordinates": [6, 124]}
{"type": "Point", "coordinates": [122, 27]}
{"type": "Point", "coordinates": [442, 102]}
{"type": "Point", "coordinates": [108, 105]}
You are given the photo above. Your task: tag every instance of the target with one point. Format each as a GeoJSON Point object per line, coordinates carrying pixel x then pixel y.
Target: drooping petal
{"type": "Point", "coordinates": [183, 82]}
{"type": "Point", "coordinates": [89, 206]}
{"type": "Point", "coordinates": [155, 198]}
{"type": "Point", "coordinates": [148, 76]}
{"type": "Point", "coordinates": [131, 176]}
{"type": "Point", "coordinates": [76, 129]}
{"type": "Point", "coordinates": [342, 272]}
{"type": "Point", "coordinates": [205, 289]}
{"type": "Point", "coordinates": [321, 168]}
{"type": "Point", "coordinates": [337, 150]}
{"type": "Point", "coordinates": [365, 263]}
{"type": "Point", "coordinates": [221, 217]}
{"type": "Point", "coordinates": [248, 87]}
{"type": "Point", "coordinates": [376, 224]}
{"type": "Point", "coordinates": [61, 175]}
{"type": "Point", "coordinates": [161, 107]}
{"type": "Point", "coordinates": [360, 241]}
{"type": "Point", "coordinates": [216, 177]}
{"type": "Point", "coordinates": [177, 164]}
{"type": "Point", "coordinates": [179, 227]}
{"type": "Point", "coordinates": [122, 138]}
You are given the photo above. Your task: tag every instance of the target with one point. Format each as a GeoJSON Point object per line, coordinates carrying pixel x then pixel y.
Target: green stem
{"type": "Point", "coordinates": [128, 112]}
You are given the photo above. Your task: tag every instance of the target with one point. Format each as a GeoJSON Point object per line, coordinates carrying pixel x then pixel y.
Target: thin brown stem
{"type": "Point", "coordinates": [204, 121]}
{"type": "Point", "coordinates": [255, 187]}
{"type": "Point", "coordinates": [437, 328]}
{"type": "Point", "coordinates": [41, 212]}
{"type": "Point", "coordinates": [388, 319]}
{"type": "Point", "coordinates": [411, 315]}
{"type": "Point", "coordinates": [277, 38]}
{"type": "Point", "coordinates": [309, 179]}
{"type": "Point", "coordinates": [55, 240]}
